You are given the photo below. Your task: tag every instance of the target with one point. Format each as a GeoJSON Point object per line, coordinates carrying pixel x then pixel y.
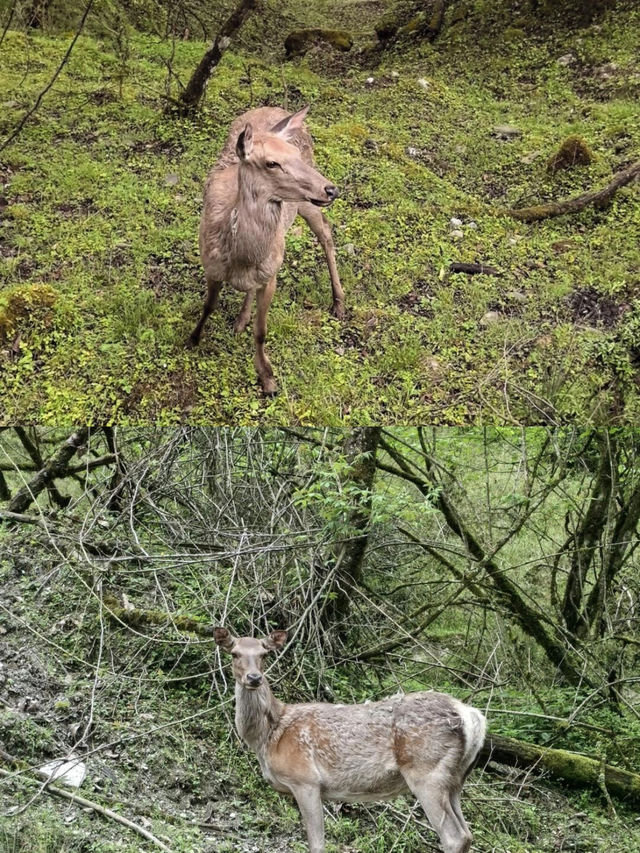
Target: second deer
{"type": "Point", "coordinates": [264, 177]}
{"type": "Point", "coordinates": [422, 743]}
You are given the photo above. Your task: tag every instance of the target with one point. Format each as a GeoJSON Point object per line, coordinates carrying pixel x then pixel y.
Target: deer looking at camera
{"type": "Point", "coordinates": [425, 743]}
{"type": "Point", "coordinates": [263, 178]}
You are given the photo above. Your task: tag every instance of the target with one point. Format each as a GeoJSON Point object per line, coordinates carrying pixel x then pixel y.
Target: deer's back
{"type": "Point", "coordinates": [357, 752]}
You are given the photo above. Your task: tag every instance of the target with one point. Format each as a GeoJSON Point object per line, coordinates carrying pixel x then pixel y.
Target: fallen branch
{"type": "Point", "coordinates": [473, 269]}
{"type": "Point", "coordinates": [57, 466]}
{"type": "Point", "coordinates": [572, 205]}
{"type": "Point", "coordinates": [89, 804]}
{"type": "Point", "coordinates": [575, 770]}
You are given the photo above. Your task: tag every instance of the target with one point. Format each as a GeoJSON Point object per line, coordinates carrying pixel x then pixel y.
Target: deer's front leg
{"type": "Point", "coordinates": [262, 363]}
{"type": "Point", "coordinates": [310, 805]}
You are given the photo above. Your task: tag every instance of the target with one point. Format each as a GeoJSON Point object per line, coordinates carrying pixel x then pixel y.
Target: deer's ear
{"type": "Point", "coordinates": [244, 145]}
{"type": "Point", "coordinates": [223, 638]}
{"type": "Point", "coordinates": [288, 125]}
{"type": "Point", "coordinates": [275, 641]}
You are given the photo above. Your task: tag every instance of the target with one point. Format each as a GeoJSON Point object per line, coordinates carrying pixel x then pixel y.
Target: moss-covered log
{"type": "Point", "coordinates": [571, 768]}
{"type": "Point", "coordinates": [599, 198]}
{"type": "Point", "coordinates": [135, 617]}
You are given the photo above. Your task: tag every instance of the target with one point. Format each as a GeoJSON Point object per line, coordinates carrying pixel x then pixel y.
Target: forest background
{"type": "Point", "coordinates": [499, 565]}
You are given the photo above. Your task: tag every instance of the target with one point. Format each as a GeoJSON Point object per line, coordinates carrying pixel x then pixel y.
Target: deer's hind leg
{"type": "Point", "coordinates": [320, 226]}
{"type": "Point", "coordinates": [242, 320]}
{"type": "Point", "coordinates": [433, 791]}
{"type": "Point", "coordinates": [213, 292]}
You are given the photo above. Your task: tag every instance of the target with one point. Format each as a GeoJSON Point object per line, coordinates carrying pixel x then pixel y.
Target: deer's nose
{"type": "Point", "coordinates": [254, 679]}
{"type": "Point", "coordinates": [332, 192]}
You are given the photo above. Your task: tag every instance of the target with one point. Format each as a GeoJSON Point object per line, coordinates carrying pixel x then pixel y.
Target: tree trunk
{"type": "Point", "coordinates": [575, 770]}
{"type": "Point", "coordinates": [192, 96]}
{"type": "Point", "coordinates": [587, 535]}
{"type": "Point", "coordinates": [360, 448]}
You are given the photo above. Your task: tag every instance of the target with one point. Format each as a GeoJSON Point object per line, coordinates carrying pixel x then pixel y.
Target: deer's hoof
{"type": "Point", "coordinates": [337, 310]}
{"type": "Point", "coordinates": [269, 386]}
{"type": "Point", "coordinates": [240, 325]}
{"type": "Point", "coordinates": [192, 341]}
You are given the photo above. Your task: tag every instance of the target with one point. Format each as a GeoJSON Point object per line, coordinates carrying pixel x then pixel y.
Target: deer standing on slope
{"type": "Point", "coordinates": [263, 178]}
{"type": "Point", "coordinates": [425, 743]}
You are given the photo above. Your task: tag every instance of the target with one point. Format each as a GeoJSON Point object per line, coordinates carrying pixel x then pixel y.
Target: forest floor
{"type": "Point", "coordinates": [160, 747]}
{"type": "Point", "coordinates": [100, 197]}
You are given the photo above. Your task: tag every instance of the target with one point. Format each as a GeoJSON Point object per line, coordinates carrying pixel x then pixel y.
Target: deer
{"type": "Point", "coordinates": [264, 177]}
{"type": "Point", "coordinates": [422, 743]}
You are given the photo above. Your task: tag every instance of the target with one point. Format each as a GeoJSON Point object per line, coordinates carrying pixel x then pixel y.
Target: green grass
{"type": "Point", "coordinates": [101, 276]}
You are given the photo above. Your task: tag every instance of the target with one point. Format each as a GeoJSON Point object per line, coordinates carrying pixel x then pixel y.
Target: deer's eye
{"type": "Point", "coordinates": [271, 164]}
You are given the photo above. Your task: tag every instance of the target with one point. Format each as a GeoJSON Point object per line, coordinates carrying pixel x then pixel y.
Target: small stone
{"type": "Point", "coordinates": [529, 158]}
{"type": "Point", "coordinates": [350, 249]}
{"type": "Point", "coordinates": [513, 241]}
{"type": "Point", "coordinates": [457, 235]}
{"type": "Point", "coordinates": [171, 180]}
{"type": "Point", "coordinates": [567, 59]}
{"type": "Point", "coordinates": [395, 75]}
{"type": "Point", "coordinates": [413, 152]}
{"type": "Point", "coordinates": [454, 223]}
{"type": "Point", "coordinates": [490, 318]}
{"type": "Point", "coordinates": [424, 84]}
{"type": "Point", "coordinates": [517, 296]}
{"type": "Point", "coordinates": [370, 81]}
{"type": "Point", "coordinates": [473, 226]}
{"type": "Point", "coordinates": [506, 131]}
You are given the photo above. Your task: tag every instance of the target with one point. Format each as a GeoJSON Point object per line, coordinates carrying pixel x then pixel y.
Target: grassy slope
{"type": "Point", "coordinates": [101, 275]}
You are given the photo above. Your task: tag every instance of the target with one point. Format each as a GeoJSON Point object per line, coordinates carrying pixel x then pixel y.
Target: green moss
{"type": "Point", "coordinates": [26, 308]}
{"type": "Point", "coordinates": [574, 151]}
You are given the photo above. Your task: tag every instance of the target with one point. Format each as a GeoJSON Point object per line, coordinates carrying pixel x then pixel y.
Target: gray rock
{"type": "Point", "coordinates": [171, 180]}
{"type": "Point", "coordinates": [490, 318]}
{"type": "Point", "coordinates": [350, 249]}
{"type": "Point", "coordinates": [517, 296]}
{"type": "Point", "coordinates": [506, 131]}
{"type": "Point", "coordinates": [473, 226]}
{"type": "Point", "coordinates": [456, 234]}
{"type": "Point", "coordinates": [454, 223]}
{"type": "Point", "coordinates": [567, 59]}
{"type": "Point", "coordinates": [424, 84]}
{"type": "Point", "coordinates": [413, 152]}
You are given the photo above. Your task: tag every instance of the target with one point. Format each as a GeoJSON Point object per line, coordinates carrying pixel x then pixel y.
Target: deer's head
{"type": "Point", "coordinates": [276, 167]}
{"type": "Point", "coordinates": [248, 654]}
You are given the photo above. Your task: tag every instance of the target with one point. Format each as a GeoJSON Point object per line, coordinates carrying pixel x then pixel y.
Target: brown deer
{"type": "Point", "coordinates": [425, 743]}
{"type": "Point", "coordinates": [263, 178]}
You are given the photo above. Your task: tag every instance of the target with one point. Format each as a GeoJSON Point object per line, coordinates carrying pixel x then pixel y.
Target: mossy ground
{"type": "Point", "coordinates": [101, 202]}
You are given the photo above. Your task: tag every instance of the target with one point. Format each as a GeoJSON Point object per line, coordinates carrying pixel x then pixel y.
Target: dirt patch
{"type": "Point", "coordinates": [79, 208]}
{"type": "Point", "coordinates": [588, 307]}
{"type": "Point", "coordinates": [172, 274]}
{"type": "Point", "coordinates": [418, 300]}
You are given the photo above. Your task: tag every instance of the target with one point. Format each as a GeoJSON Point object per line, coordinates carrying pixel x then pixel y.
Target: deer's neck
{"type": "Point", "coordinates": [257, 714]}
{"type": "Point", "coordinates": [255, 219]}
